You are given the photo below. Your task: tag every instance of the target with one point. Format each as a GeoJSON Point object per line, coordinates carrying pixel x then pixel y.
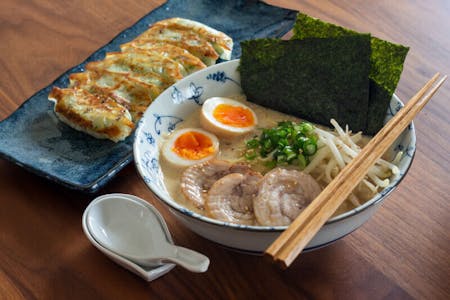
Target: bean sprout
{"type": "Point", "coordinates": [337, 149]}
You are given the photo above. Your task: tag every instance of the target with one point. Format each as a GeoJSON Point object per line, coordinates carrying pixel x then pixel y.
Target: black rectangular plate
{"type": "Point", "coordinates": [33, 138]}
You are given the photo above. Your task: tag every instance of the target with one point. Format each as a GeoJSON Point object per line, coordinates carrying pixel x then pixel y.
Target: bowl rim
{"type": "Point", "coordinates": [171, 203]}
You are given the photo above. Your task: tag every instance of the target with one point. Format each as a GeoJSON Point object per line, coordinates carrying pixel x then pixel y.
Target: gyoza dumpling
{"type": "Point", "coordinates": [182, 38]}
{"type": "Point", "coordinates": [99, 116]}
{"type": "Point", "coordinates": [136, 96]}
{"type": "Point", "coordinates": [155, 69]}
{"type": "Point", "coordinates": [106, 99]}
{"type": "Point", "coordinates": [222, 43]}
{"type": "Point", "coordinates": [107, 79]}
{"type": "Point", "coordinates": [190, 62]}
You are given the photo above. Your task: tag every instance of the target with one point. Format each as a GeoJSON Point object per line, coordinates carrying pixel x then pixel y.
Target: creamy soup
{"type": "Point", "coordinates": [233, 149]}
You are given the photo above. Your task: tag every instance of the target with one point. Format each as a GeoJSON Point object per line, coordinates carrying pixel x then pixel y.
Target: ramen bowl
{"type": "Point", "coordinates": [177, 102]}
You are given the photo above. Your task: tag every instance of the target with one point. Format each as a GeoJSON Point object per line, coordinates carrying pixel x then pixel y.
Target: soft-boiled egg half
{"type": "Point", "coordinates": [227, 117]}
{"type": "Point", "coordinates": [189, 146]}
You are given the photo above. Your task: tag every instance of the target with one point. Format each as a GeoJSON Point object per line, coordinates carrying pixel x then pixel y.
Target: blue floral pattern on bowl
{"type": "Point", "coordinates": [224, 80]}
{"type": "Point", "coordinates": [165, 123]}
{"type": "Point", "coordinates": [193, 93]}
{"type": "Point", "coordinates": [221, 76]}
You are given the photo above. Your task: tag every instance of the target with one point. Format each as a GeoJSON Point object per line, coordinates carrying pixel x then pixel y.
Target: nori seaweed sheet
{"type": "Point", "coordinates": [314, 78]}
{"type": "Point", "coordinates": [386, 65]}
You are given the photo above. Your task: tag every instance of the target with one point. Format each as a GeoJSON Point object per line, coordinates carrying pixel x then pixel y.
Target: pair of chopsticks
{"type": "Point", "coordinates": [293, 240]}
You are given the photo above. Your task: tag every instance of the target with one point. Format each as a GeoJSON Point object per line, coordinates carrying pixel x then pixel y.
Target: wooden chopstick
{"type": "Point", "coordinates": [292, 241]}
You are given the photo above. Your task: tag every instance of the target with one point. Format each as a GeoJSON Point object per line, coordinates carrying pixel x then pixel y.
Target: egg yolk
{"type": "Point", "coordinates": [232, 115]}
{"type": "Point", "coordinates": [193, 145]}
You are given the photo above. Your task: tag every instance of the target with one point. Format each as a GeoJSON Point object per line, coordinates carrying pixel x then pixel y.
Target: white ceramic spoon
{"type": "Point", "coordinates": [132, 228]}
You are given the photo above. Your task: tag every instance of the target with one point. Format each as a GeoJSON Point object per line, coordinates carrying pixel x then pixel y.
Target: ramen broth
{"type": "Point", "coordinates": [232, 150]}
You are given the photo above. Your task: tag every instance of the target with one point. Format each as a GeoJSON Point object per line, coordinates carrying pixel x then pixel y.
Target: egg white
{"type": "Point", "coordinates": [211, 124]}
{"type": "Point", "coordinates": [172, 157]}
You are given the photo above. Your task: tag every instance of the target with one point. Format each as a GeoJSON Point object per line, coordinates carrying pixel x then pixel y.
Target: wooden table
{"type": "Point", "coordinates": [402, 252]}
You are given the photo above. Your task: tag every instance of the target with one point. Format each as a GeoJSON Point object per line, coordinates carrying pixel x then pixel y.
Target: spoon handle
{"type": "Point", "coordinates": [189, 259]}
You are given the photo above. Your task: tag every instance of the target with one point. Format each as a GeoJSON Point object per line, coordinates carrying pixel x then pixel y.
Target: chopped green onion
{"type": "Point", "coordinates": [250, 155]}
{"type": "Point", "coordinates": [306, 128]}
{"type": "Point", "coordinates": [267, 144]}
{"type": "Point", "coordinates": [302, 161]}
{"type": "Point", "coordinates": [281, 158]}
{"type": "Point", "coordinates": [288, 142]}
{"type": "Point", "coordinates": [309, 148]}
{"type": "Point", "coordinates": [252, 144]}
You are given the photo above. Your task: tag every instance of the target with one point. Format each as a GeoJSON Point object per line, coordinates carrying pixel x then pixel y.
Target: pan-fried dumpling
{"type": "Point", "coordinates": [222, 43]}
{"type": "Point", "coordinates": [111, 96]}
{"type": "Point", "coordinates": [190, 62]}
{"type": "Point", "coordinates": [99, 116]}
{"type": "Point", "coordinates": [107, 79]}
{"type": "Point", "coordinates": [155, 69]}
{"type": "Point", "coordinates": [160, 63]}
{"type": "Point", "coordinates": [144, 77]}
{"type": "Point", "coordinates": [134, 95]}
{"type": "Point", "coordinates": [182, 38]}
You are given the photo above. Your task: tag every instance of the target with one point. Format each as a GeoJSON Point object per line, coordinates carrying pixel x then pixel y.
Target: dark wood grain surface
{"type": "Point", "coordinates": [403, 252]}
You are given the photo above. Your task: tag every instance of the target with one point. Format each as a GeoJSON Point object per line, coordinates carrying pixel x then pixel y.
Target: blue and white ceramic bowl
{"type": "Point", "coordinates": [177, 102]}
